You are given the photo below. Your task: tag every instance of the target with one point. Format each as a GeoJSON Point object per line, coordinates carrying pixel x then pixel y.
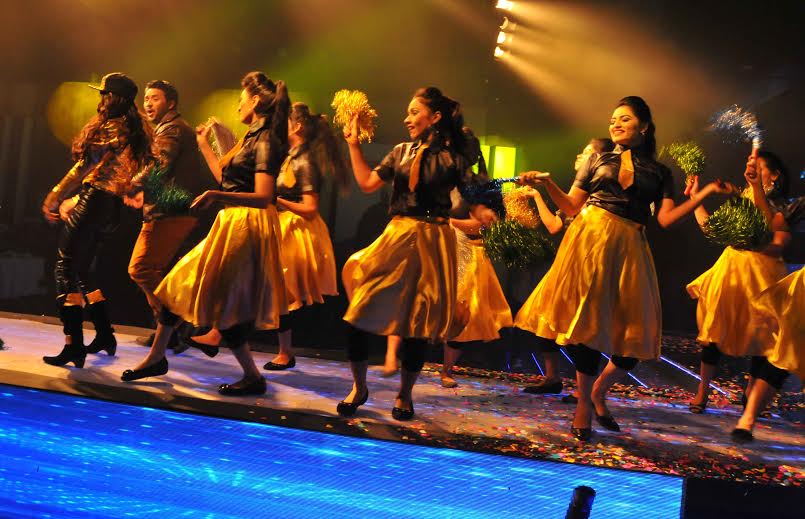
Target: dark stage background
{"type": "Point", "coordinates": [567, 65]}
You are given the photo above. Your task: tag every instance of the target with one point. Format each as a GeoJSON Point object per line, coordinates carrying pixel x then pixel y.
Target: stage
{"type": "Point", "coordinates": [487, 412]}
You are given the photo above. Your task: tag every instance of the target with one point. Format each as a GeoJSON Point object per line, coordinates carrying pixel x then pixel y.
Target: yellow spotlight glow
{"type": "Point", "coordinates": [508, 25]}
{"type": "Point", "coordinates": [505, 5]}
{"type": "Point", "coordinates": [71, 106]}
{"type": "Point", "coordinates": [499, 52]}
{"type": "Point", "coordinates": [502, 37]}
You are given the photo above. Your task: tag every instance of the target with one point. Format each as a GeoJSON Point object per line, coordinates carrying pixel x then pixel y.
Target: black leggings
{"type": "Point", "coordinates": [94, 218]}
{"type": "Point", "coordinates": [287, 322]}
{"type": "Point", "coordinates": [413, 350]}
{"type": "Point", "coordinates": [761, 368]}
{"type": "Point", "coordinates": [586, 360]}
{"type": "Point", "coordinates": [234, 336]}
{"type": "Point", "coordinates": [546, 345]}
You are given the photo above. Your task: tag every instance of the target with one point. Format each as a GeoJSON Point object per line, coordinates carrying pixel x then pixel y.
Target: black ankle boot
{"type": "Point", "coordinates": [104, 337]}
{"type": "Point", "coordinates": [72, 318]}
{"type": "Point", "coordinates": [70, 353]}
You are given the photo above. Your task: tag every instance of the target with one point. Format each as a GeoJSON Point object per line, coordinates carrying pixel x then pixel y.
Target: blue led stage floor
{"type": "Point", "coordinates": [64, 456]}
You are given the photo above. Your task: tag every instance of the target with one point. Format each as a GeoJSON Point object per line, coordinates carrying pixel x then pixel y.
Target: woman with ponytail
{"type": "Point", "coordinates": [601, 292]}
{"type": "Point", "coordinates": [307, 253]}
{"type": "Point", "coordinates": [232, 280]}
{"type": "Point", "coordinates": [108, 152]}
{"type": "Point", "coordinates": [405, 283]}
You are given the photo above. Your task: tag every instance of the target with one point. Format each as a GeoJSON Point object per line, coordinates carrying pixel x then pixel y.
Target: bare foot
{"type": "Point", "coordinates": [448, 381]}
{"type": "Point", "coordinates": [211, 338]}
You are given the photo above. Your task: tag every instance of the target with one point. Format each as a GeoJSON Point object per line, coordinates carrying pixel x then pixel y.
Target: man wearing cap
{"type": "Point", "coordinates": [164, 228]}
{"type": "Point", "coordinates": [111, 148]}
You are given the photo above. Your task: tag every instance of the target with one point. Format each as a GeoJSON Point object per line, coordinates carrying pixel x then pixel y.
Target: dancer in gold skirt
{"type": "Point", "coordinates": [405, 282]}
{"type": "Point", "coordinates": [551, 382]}
{"type": "Point", "coordinates": [479, 288]}
{"type": "Point", "coordinates": [308, 260]}
{"type": "Point", "coordinates": [233, 280]}
{"type": "Point", "coordinates": [726, 291]}
{"type": "Point", "coordinates": [777, 318]}
{"type": "Point", "coordinates": [601, 292]}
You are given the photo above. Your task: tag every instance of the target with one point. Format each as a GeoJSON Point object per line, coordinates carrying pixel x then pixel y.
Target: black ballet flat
{"type": "Point", "coordinates": [742, 436]}
{"type": "Point", "coordinates": [75, 354]}
{"type": "Point", "coordinates": [210, 351]}
{"type": "Point", "coordinates": [553, 388]}
{"type": "Point", "coordinates": [100, 343]}
{"type": "Point", "coordinates": [273, 366]}
{"type": "Point", "coordinates": [403, 415]}
{"type": "Point", "coordinates": [154, 370]}
{"type": "Point", "coordinates": [581, 433]}
{"type": "Point", "coordinates": [697, 408]}
{"type": "Point", "coordinates": [243, 387]}
{"type": "Point", "coordinates": [607, 422]}
{"type": "Point", "coordinates": [349, 408]}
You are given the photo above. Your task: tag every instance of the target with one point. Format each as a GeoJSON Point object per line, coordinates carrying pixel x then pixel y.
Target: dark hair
{"type": "Point", "coordinates": [602, 144]}
{"type": "Point", "coordinates": [274, 104]}
{"type": "Point", "coordinates": [643, 113]}
{"type": "Point", "coordinates": [171, 94]}
{"type": "Point", "coordinates": [113, 106]}
{"type": "Point", "coordinates": [775, 163]}
{"type": "Point", "coordinates": [450, 126]}
{"type": "Point", "coordinates": [321, 143]}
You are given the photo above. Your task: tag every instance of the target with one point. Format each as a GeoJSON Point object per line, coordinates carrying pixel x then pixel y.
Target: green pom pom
{"type": "Point", "coordinates": [167, 196]}
{"type": "Point", "coordinates": [689, 156]}
{"type": "Point", "coordinates": [739, 224]}
{"type": "Point", "coordinates": [516, 245]}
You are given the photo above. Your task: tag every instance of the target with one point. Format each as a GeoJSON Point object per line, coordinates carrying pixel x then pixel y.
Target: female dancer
{"type": "Point", "coordinates": [551, 383]}
{"type": "Point", "coordinates": [601, 292]}
{"type": "Point", "coordinates": [726, 291]}
{"type": "Point", "coordinates": [478, 285]}
{"type": "Point", "coordinates": [405, 282]}
{"type": "Point", "coordinates": [776, 315]}
{"type": "Point", "coordinates": [307, 253]}
{"type": "Point", "coordinates": [233, 279]}
{"type": "Point", "coordinates": [112, 147]}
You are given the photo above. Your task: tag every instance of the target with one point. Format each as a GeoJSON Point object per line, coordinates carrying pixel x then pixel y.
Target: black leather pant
{"type": "Point", "coordinates": [94, 218]}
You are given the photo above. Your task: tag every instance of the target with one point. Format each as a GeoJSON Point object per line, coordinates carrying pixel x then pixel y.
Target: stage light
{"type": "Point", "coordinates": [499, 52]}
{"type": "Point", "coordinates": [505, 5]}
{"type": "Point", "coordinates": [502, 37]}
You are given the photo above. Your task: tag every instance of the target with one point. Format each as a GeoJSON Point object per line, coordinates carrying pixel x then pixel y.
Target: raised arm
{"type": "Point", "coordinates": [551, 221]}
{"type": "Point", "coordinates": [368, 180]}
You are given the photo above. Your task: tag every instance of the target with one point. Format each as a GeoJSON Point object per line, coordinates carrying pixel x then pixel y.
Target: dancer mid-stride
{"type": "Point", "coordinates": [112, 147]}
{"type": "Point", "coordinates": [405, 283]}
{"type": "Point", "coordinates": [232, 280]}
{"type": "Point", "coordinates": [601, 292]}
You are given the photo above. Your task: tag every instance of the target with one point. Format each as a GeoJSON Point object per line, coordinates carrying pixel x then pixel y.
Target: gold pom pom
{"type": "Point", "coordinates": [518, 207]}
{"type": "Point", "coordinates": [348, 103]}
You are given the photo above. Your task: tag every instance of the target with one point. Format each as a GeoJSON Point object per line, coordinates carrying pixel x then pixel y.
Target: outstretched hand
{"type": "Point", "coordinates": [533, 178]}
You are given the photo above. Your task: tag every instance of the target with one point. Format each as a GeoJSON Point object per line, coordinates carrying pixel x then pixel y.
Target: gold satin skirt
{"type": "Point", "coordinates": [232, 276]}
{"type": "Point", "coordinates": [404, 283]}
{"type": "Point", "coordinates": [781, 310]}
{"type": "Point", "coordinates": [479, 287]}
{"type": "Point", "coordinates": [601, 290]}
{"type": "Point", "coordinates": [725, 293]}
{"type": "Point", "coordinates": [308, 261]}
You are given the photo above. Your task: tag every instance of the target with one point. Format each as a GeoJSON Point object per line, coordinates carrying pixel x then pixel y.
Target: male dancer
{"type": "Point", "coordinates": [162, 234]}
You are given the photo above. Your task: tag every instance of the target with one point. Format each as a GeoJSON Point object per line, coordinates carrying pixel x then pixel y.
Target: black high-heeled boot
{"type": "Point", "coordinates": [104, 333]}
{"type": "Point", "coordinates": [72, 320]}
